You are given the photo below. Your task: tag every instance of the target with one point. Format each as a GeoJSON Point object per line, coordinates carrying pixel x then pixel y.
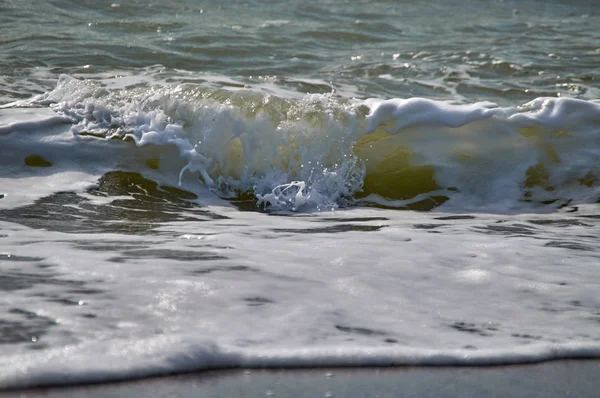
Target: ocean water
{"type": "Point", "coordinates": [187, 186]}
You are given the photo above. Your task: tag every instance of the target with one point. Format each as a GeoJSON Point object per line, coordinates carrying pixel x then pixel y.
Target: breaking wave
{"type": "Point", "coordinates": [322, 151]}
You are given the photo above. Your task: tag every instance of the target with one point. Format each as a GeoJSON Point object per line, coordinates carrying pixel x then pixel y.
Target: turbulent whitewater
{"type": "Point", "coordinates": [187, 186]}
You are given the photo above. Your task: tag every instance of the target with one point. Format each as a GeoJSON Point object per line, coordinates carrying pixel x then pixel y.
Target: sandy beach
{"type": "Point", "coordinates": [550, 379]}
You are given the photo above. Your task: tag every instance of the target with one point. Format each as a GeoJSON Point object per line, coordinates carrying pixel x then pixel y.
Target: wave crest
{"type": "Point", "coordinates": [322, 151]}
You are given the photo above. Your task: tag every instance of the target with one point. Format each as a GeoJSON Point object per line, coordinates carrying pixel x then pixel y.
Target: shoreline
{"type": "Point", "coordinates": [546, 379]}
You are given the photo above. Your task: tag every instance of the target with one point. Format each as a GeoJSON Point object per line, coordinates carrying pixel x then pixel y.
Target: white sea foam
{"type": "Point", "coordinates": [292, 292]}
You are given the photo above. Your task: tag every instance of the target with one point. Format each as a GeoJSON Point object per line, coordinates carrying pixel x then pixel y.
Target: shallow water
{"type": "Point", "coordinates": [187, 186]}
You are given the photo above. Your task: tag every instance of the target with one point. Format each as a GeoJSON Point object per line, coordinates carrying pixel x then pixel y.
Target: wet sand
{"type": "Point", "coordinates": [577, 378]}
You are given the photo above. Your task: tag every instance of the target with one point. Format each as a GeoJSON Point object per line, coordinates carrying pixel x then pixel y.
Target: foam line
{"type": "Point", "coordinates": [166, 356]}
